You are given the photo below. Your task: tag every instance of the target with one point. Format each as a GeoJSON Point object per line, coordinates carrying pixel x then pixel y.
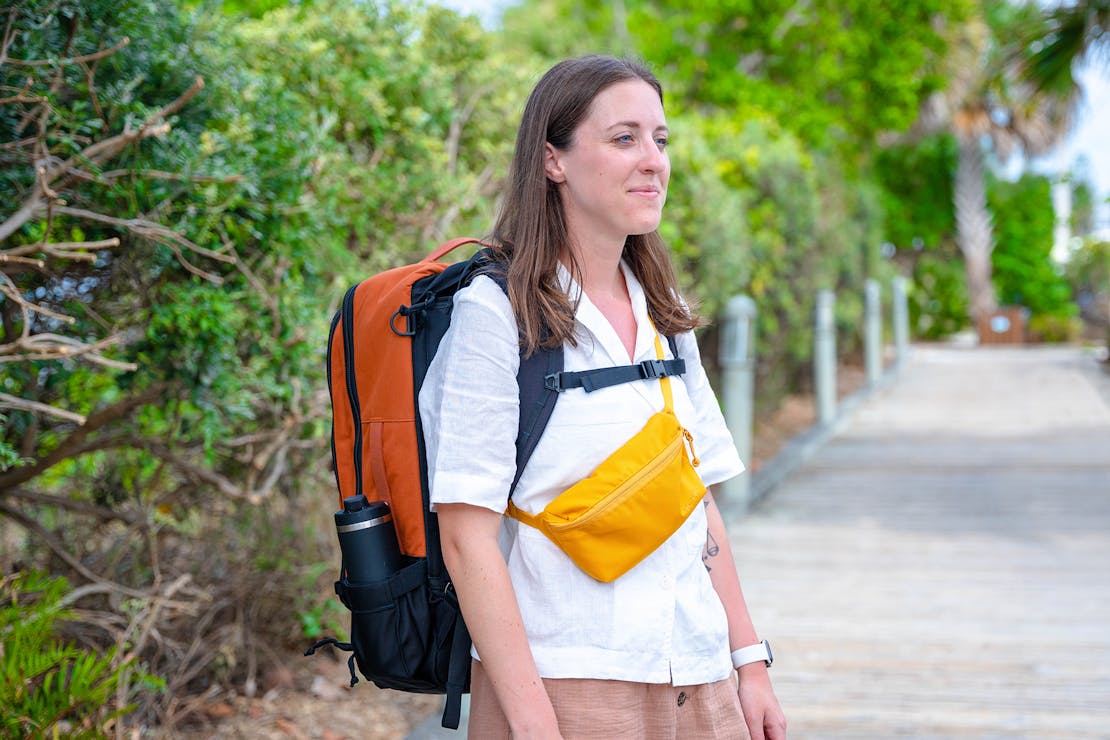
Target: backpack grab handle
{"type": "Point", "coordinates": [448, 246]}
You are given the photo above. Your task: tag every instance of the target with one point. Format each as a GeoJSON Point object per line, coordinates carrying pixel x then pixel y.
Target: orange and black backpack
{"type": "Point", "coordinates": [407, 632]}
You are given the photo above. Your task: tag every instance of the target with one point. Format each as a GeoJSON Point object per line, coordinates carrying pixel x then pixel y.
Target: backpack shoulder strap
{"type": "Point", "coordinates": [537, 401]}
{"type": "Point", "coordinates": [540, 379]}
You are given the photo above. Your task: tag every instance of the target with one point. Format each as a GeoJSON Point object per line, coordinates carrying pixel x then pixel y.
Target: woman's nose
{"type": "Point", "coordinates": [653, 159]}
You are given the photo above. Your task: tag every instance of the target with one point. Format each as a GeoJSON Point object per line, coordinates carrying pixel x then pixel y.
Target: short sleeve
{"type": "Point", "coordinates": [469, 402]}
{"type": "Point", "coordinates": [715, 446]}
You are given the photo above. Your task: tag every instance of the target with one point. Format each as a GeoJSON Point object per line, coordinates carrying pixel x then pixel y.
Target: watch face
{"type": "Point", "coordinates": [770, 656]}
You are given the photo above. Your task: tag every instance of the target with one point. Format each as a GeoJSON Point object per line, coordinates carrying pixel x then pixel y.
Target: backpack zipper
{"type": "Point", "coordinates": [348, 312]}
{"type": "Point", "coordinates": [331, 338]}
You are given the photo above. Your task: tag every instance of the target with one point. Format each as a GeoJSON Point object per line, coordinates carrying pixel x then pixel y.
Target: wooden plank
{"type": "Point", "coordinates": [942, 568]}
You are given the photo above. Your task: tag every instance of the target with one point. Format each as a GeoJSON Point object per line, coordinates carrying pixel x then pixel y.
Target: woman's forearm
{"type": "Point", "coordinates": [762, 712]}
{"type": "Point", "coordinates": [726, 581]}
{"type": "Point", "coordinates": [489, 606]}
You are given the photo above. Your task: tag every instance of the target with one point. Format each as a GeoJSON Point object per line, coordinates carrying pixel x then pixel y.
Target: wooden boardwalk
{"type": "Point", "coordinates": [941, 568]}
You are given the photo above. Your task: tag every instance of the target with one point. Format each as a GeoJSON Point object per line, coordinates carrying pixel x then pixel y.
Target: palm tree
{"type": "Point", "coordinates": [1067, 35]}
{"type": "Point", "coordinates": [990, 107]}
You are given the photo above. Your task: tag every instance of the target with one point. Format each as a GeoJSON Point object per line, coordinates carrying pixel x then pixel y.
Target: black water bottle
{"type": "Point", "coordinates": [367, 539]}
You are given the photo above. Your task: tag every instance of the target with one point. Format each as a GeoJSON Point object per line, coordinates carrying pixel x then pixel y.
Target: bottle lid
{"type": "Point", "coordinates": [351, 504]}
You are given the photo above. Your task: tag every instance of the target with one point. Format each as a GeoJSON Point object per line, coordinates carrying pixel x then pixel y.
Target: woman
{"type": "Point", "coordinates": [558, 653]}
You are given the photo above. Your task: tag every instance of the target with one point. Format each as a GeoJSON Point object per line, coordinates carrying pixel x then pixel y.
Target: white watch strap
{"type": "Point", "coordinates": [751, 654]}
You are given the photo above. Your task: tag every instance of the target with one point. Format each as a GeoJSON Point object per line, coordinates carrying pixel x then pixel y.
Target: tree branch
{"type": "Point", "coordinates": [76, 443]}
{"type": "Point", "coordinates": [11, 402]}
{"type": "Point", "coordinates": [97, 153]}
{"type": "Point", "coordinates": [149, 230]}
{"type": "Point", "coordinates": [8, 259]}
{"type": "Point", "coordinates": [72, 60]}
{"type": "Point", "coordinates": [48, 346]}
{"type": "Point", "coordinates": [223, 484]}
{"type": "Point", "coordinates": [44, 536]}
{"type": "Point", "coordinates": [63, 250]}
{"type": "Point", "coordinates": [160, 175]}
{"type": "Point", "coordinates": [21, 216]}
{"type": "Point", "coordinates": [9, 36]}
{"type": "Point", "coordinates": [155, 125]}
{"type": "Point", "coordinates": [81, 507]}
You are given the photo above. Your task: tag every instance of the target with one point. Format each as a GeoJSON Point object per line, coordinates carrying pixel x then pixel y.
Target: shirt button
{"type": "Point", "coordinates": [681, 698]}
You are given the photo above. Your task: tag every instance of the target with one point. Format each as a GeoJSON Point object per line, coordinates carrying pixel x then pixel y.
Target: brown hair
{"type": "Point", "coordinates": [531, 228]}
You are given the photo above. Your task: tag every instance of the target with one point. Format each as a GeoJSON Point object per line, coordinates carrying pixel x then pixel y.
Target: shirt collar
{"type": "Point", "coordinates": [594, 322]}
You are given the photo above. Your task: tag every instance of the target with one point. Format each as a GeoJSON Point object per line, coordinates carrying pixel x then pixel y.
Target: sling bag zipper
{"type": "Point", "coordinates": [665, 456]}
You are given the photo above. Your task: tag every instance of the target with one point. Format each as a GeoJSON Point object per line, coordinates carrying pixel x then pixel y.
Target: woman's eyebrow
{"type": "Point", "coordinates": [635, 125]}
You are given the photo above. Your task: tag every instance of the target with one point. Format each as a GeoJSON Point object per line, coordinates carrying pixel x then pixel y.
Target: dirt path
{"type": "Point", "coordinates": [311, 699]}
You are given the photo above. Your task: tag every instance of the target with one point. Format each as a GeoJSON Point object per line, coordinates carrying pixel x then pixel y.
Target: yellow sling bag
{"type": "Point", "coordinates": [631, 503]}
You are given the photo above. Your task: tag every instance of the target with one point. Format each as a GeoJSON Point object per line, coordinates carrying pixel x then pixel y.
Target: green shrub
{"type": "Point", "coordinates": [1024, 272]}
{"type": "Point", "coordinates": [1088, 273]}
{"type": "Point", "coordinates": [1052, 328]}
{"type": "Point", "coordinates": [49, 687]}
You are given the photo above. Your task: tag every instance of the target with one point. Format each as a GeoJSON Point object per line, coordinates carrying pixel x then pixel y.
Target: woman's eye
{"type": "Point", "coordinates": [624, 139]}
{"type": "Point", "coordinates": [661, 142]}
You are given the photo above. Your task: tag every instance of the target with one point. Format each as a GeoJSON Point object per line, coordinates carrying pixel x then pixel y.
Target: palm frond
{"type": "Point", "coordinates": [1070, 32]}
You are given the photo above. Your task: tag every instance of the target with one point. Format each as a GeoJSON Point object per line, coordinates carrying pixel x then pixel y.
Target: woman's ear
{"type": "Point", "coordinates": [552, 164]}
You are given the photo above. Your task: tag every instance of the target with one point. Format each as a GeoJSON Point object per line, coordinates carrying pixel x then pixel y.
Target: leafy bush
{"type": "Point", "coordinates": [1049, 328]}
{"type": "Point", "coordinates": [49, 687]}
{"type": "Point", "coordinates": [1024, 271]}
{"type": "Point", "coordinates": [1088, 272]}
{"type": "Point", "coordinates": [327, 142]}
{"type": "Point", "coordinates": [938, 299]}
{"type": "Point", "coordinates": [920, 229]}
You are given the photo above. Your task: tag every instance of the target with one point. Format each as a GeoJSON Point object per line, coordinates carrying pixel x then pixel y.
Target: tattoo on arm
{"type": "Point", "coordinates": [711, 550]}
{"type": "Point", "coordinates": [711, 547]}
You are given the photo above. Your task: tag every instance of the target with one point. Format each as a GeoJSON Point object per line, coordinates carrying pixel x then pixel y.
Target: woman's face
{"type": "Point", "coordinates": [613, 178]}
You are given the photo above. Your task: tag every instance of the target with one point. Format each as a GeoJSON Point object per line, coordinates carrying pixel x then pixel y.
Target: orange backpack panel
{"type": "Point", "coordinates": [386, 430]}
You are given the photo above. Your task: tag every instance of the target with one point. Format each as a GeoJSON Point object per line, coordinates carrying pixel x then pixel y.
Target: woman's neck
{"type": "Point", "coordinates": [602, 280]}
{"type": "Point", "coordinates": [599, 264]}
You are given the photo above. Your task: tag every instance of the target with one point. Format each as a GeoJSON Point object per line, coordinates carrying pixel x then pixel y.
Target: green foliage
{"type": "Point", "coordinates": [770, 193]}
{"type": "Point", "coordinates": [9, 456]}
{"type": "Point", "coordinates": [1055, 328]}
{"type": "Point", "coordinates": [50, 687]}
{"type": "Point", "coordinates": [324, 617]}
{"type": "Point", "coordinates": [1088, 272]}
{"type": "Point", "coordinates": [938, 300]}
{"type": "Point", "coordinates": [1024, 273]}
{"type": "Point", "coordinates": [920, 228]}
{"type": "Point", "coordinates": [418, 106]}
{"type": "Point", "coordinates": [328, 142]}
{"type": "Point", "coordinates": [1082, 219]}
{"type": "Point", "coordinates": [917, 192]}
{"type": "Point", "coordinates": [834, 73]}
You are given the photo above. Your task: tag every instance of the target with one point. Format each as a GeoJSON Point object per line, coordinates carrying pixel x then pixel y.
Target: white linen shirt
{"type": "Point", "coordinates": [662, 621]}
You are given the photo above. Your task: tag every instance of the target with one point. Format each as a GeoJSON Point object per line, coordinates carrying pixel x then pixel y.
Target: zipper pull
{"type": "Point", "coordinates": [690, 441]}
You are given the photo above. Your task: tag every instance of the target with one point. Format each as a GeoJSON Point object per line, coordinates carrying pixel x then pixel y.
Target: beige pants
{"type": "Point", "coordinates": [592, 708]}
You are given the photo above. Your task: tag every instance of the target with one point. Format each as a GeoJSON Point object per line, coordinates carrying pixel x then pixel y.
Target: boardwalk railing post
{"type": "Point", "coordinates": [872, 333]}
{"type": "Point", "coordinates": [901, 320]}
{"type": "Point", "coordinates": [824, 357]}
{"type": "Point", "coordinates": [737, 358]}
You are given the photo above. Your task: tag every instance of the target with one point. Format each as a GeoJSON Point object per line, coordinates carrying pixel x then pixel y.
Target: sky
{"type": "Point", "coordinates": [1090, 138]}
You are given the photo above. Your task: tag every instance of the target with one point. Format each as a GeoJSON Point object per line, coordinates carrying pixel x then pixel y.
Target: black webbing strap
{"type": "Point", "coordinates": [592, 380]}
{"type": "Point", "coordinates": [536, 403]}
{"type": "Point", "coordinates": [458, 670]}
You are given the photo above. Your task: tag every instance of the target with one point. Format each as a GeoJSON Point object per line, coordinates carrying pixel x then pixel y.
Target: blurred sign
{"type": "Point", "coordinates": [1004, 326]}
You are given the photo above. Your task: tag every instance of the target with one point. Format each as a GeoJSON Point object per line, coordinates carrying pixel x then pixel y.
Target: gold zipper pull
{"type": "Point", "coordinates": [690, 441]}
